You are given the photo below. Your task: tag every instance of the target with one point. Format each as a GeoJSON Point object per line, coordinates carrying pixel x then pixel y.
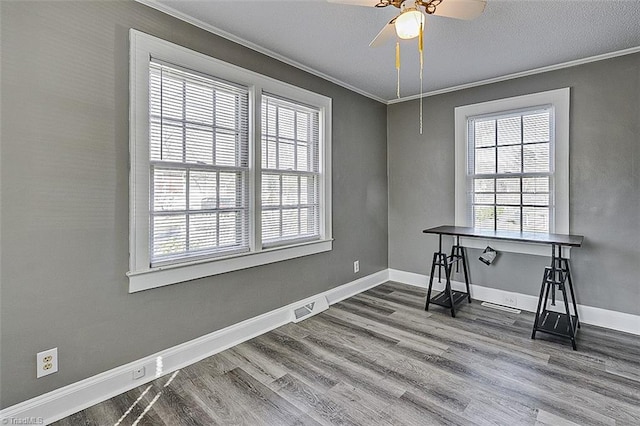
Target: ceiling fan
{"type": "Point", "coordinates": [408, 23]}
{"type": "Point", "coordinates": [411, 20]}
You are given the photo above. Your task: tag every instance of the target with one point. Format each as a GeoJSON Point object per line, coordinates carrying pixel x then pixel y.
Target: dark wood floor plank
{"type": "Point", "coordinates": [389, 304]}
{"type": "Point", "coordinates": [403, 288]}
{"type": "Point", "coordinates": [346, 334]}
{"type": "Point", "coordinates": [415, 410]}
{"type": "Point", "coordinates": [550, 419]}
{"type": "Point", "coordinates": [379, 359]}
{"type": "Point", "coordinates": [134, 406]}
{"type": "Point", "coordinates": [368, 306]}
{"type": "Point", "coordinates": [365, 407]}
{"type": "Point", "coordinates": [487, 413]}
{"type": "Point", "coordinates": [406, 299]}
{"type": "Point", "coordinates": [209, 395]}
{"type": "Point", "coordinates": [388, 329]}
{"type": "Point", "coordinates": [338, 361]}
{"type": "Point", "coordinates": [316, 404]}
{"type": "Point", "coordinates": [294, 330]}
{"type": "Point", "coordinates": [266, 406]}
{"type": "Point", "coordinates": [301, 367]}
{"type": "Point", "coordinates": [254, 362]}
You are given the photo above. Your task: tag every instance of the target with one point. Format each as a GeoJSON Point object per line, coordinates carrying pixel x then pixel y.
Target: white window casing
{"type": "Point", "coordinates": [553, 104]}
{"type": "Point", "coordinates": [189, 204]}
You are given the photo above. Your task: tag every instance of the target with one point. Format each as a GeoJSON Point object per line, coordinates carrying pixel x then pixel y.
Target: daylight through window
{"type": "Point", "coordinates": [199, 157]}
{"type": "Point", "coordinates": [511, 170]}
{"type": "Point", "coordinates": [290, 172]}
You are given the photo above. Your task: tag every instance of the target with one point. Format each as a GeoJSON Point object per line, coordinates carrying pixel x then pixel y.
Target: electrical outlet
{"type": "Point", "coordinates": [356, 266]}
{"type": "Point", "coordinates": [46, 362]}
{"type": "Point", "coordinates": [510, 300]}
{"type": "Point", "coordinates": [138, 373]}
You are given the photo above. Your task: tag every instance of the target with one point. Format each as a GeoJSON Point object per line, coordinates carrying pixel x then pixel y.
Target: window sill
{"type": "Point", "coordinates": [172, 274]}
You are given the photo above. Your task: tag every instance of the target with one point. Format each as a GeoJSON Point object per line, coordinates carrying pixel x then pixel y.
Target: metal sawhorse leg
{"type": "Point", "coordinates": [557, 323]}
{"type": "Point", "coordinates": [448, 298]}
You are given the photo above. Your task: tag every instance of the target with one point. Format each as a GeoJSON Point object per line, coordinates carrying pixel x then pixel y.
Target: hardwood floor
{"type": "Point", "coordinates": [379, 359]}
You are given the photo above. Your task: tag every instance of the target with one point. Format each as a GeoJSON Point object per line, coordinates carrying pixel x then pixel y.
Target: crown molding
{"type": "Point", "coordinates": [154, 4]}
{"type": "Point", "coordinates": [520, 74]}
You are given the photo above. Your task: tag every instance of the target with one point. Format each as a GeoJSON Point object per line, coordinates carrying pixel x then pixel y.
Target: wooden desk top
{"type": "Point", "coordinates": [523, 237]}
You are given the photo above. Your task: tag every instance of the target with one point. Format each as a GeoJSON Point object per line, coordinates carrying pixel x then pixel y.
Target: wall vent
{"type": "Point", "coordinates": [310, 308]}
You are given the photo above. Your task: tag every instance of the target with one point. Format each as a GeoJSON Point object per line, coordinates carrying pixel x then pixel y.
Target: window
{"type": "Point", "coordinates": [199, 165]}
{"type": "Point", "coordinates": [290, 173]}
{"type": "Point", "coordinates": [510, 170]}
{"type": "Point", "coordinates": [512, 166]}
{"type": "Point", "coordinates": [229, 169]}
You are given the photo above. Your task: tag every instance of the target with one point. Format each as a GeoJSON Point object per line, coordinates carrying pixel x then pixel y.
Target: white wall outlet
{"type": "Point", "coordinates": [46, 362]}
{"type": "Point", "coordinates": [138, 373]}
{"type": "Point", "coordinates": [510, 300]}
{"type": "Point", "coordinates": [356, 266]}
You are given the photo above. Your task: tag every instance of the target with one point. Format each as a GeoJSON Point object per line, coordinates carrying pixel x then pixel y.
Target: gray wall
{"type": "Point", "coordinates": [604, 182]}
{"type": "Point", "coordinates": [64, 184]}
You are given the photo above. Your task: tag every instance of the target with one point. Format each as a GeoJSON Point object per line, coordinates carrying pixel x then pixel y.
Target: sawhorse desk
{"type": "Point", "coordinates": [558, 274]}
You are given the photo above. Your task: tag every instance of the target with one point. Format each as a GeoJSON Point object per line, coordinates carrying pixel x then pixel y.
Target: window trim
{"type": "Point", "coordinates": [559, 99]}
{"type": "Point", "coordinates": [141, 275]}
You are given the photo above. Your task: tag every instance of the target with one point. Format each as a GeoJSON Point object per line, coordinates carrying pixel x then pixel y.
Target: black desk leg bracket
{"type": "Point", "coordinates": [448, 298]}
{"type": "Point", "coordinates": [552, 322]}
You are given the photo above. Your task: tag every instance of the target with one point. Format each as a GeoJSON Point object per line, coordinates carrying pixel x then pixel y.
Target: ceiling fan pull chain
{"type": "Point", "coordinates": [398, 67]}
{"type": "Point", "coordinates": [421, 49]}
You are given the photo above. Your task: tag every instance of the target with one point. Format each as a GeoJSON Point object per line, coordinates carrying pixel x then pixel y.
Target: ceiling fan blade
{"type": "Point", "coordinates": [387, 32]}
{"type": "Point", "coordinates": [370, 3]}
{"type": "Point", "coordinates": [461, 9]}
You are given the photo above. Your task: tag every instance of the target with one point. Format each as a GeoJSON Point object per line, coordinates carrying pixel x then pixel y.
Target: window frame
{"type": "Point", "coordinates": [141, 275]}
{"type": "Point", "coordinates": [190, 168]}
{"type": "Point", "coordinates": [265, 170]}
{"type": "Point", "coordinates": [473, 174]}
{"type": "Point", "coordinates": [559, 100]}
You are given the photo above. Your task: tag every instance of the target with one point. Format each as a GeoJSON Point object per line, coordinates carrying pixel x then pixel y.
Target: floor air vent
{"type": "Point", "coordinates": [310, 309]}
{"type": "Point", "coordinates": [500, 307]}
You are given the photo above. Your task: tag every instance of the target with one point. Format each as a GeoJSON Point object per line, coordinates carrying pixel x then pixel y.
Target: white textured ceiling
{"type": "Point", "coordinates": [511, 36]}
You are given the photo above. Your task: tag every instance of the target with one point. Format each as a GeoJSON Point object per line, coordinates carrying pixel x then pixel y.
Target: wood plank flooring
{"type": "Point", "coordinates": [379, 359]}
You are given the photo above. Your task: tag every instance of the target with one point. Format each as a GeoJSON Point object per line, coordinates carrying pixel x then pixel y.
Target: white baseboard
{"type": "Point", "coordinates": [614, 320]}
{"type": "Point", "coordinates": [70, 399]}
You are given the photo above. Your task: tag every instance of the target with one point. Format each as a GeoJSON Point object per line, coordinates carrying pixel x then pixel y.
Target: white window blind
{"type": "Point", "coordinates": [290, 171]}
{"type": "Point", "coordinates": [199, 171]}
{"type": "Point", "coordinates": [510, 170]}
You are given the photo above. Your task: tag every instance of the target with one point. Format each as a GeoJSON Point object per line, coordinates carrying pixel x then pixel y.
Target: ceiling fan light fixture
{"type": "Point", "coordinates": [408, 23]}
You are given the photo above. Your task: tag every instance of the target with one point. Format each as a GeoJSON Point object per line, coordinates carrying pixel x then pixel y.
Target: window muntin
{"type": "Point", "coordinates": [510, 170]}
{"type": "Point", "coordinates": [290, 171]}
{"type": "Point", "coordinates": [198, 165]}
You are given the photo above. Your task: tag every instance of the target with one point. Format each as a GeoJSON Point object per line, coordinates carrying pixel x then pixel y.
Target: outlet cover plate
{"type": "Point", "coordinates": [46, 362]}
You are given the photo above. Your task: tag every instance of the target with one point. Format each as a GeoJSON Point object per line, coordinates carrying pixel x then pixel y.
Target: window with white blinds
{"type": "Point", "coordinates": [290, 171]}
{"type": "Point", "coordinates": [229, 170]}
{"type": "Point", "coordinates": [199, 153]}
{"type": "Point", "coordinates": [510, 174]}
{"type": "Point", "coordinates": [512, 167]}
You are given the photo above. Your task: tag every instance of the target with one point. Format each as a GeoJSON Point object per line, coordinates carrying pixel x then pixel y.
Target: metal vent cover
{"type": "Point", "coordinates": [310, 308]}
